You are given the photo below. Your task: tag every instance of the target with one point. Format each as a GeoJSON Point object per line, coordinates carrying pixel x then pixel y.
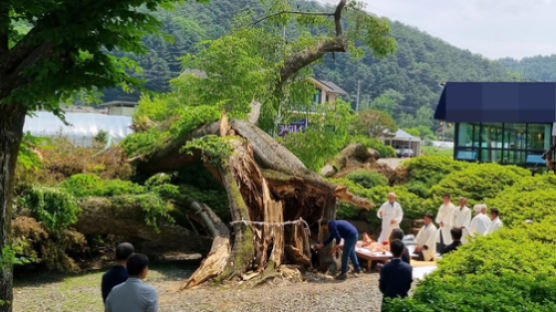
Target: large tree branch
{"type": "Point", "coordinates": [292, 12]}
{"type": "Point", "coordinates": [300, 59]}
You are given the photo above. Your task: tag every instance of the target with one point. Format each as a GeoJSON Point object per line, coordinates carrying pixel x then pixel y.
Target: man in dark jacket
{"type": "Point", "coordinates": [118, 273]}
{"type": "Point", "coordinates": [342, 229]}
{"type": "Point", "coordinates": [398, 234]}
{"type": "Point", "coordinates": [456, 241]}
{"type": "Point", "coordinates": [396, 275]}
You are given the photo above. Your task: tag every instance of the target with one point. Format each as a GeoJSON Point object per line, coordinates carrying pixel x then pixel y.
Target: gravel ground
{"type": "Point", "coordinates": [316, 294]}
{"type": "Point", "coordinates": [56, 292]}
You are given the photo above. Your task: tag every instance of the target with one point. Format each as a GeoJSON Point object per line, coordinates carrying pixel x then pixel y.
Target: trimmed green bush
{"type": "Point", "coordinates": [510, 270]}
{"type": "Point", "coordinates": [429, 170]}
{"type": "Point", "coordinates": [478, 182]}
{"type": "Point", "coordinates": [85, 184]}
{"type": "Point", "coordinates": [376, 144]}
{"type": "Point", "coordinates": [531, 198]}
{"type": "Point", "coordinates": [367, 178]}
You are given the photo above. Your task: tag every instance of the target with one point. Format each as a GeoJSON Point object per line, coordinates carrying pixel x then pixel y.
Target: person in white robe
{"type": "Point", "coordinates": [391, 214]}
{"type": "Point", "coordinates": [462, 218]}
{"type": "Point", "coordinates": [444, 219]}
{"type": "Point", "coordinates": [480, 222]}
{"type": "Point", "coordinates": [425, 242]}
{"type": "Point", "coordinates": [496, 223]}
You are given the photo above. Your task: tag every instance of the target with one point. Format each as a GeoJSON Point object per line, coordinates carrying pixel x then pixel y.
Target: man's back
{"type": "Point", "coordinates": [132, 296]}
{"type": "Point", "coordinates": [115, 276]}
{"type": "Point", "coordinates": [395, 278]}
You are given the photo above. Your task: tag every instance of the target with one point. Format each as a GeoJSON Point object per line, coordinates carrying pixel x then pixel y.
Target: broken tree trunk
{"type": "Point", "coordinates": [266, 185]}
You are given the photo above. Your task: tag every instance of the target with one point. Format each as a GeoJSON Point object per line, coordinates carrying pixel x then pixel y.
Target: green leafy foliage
{"type": "Point", "coordinates": [81, 185]}
{"type": "Point", "coordinates": [56, 208]}
{"type": "Point", "coordinates": [532, 198]}
{"type": "Point", "coordinates": [367, 178]}
{"type": "Point", "coordinates": [374, 123]}
{"type": "Point", "coordinates": [28, 156]}
{"type": "Point", "coordinates": [214, 149]}
{"type": "Point", "coordinates": [479, 181]}
{"type": "Point", "coordinates": [510, 270]}
{"type": "Point", "coordinates": [429, 170]}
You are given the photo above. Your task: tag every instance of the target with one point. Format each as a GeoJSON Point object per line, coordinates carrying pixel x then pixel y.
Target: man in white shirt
{"type": "Point", "coordinates": [480, 223]}
{"type": "Point", "coordinates": [425, 242]}
{"type": "Point", "coordinates": [391, 214]}
{"type": "Point", "coordinates": [462, 218]}
{"type": "Point", "coordinates": [444, 219]}
{"type": "Point", "coordinates": [496, 222]}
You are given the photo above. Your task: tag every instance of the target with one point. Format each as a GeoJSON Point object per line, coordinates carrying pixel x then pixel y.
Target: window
{"type": "Point", "coordinates": [506, 143]}
{"type": "Point", "coordinates": [317, 96]}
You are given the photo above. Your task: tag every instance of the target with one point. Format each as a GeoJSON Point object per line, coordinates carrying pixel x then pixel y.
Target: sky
{"type": "Point", "coordinates": [492, 28]}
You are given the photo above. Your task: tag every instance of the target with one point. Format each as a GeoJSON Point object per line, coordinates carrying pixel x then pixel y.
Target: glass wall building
{"type": "Point", "coordinates": [503, 122]}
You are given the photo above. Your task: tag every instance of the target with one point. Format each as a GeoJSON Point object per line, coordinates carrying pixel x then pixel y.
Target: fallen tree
{"type": "Point", "coordinates": [267, 186]}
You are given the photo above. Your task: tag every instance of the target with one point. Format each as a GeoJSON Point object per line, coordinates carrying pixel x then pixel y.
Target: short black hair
{"type": "Point", "coordinates": [396, 247]}
{"type": "Point", "coordinates": [124, 250]}
{"type": "Point", "coordinates": [429, 215]}
{"type": "Point", "coordinates": [396, 234]}
{"type": "Point", "coordinates": [446, 195]}
{"type": "Point", "coordinates": [324, 222]}
{"type": "Point", "coordinates": [136, 264]}
{"type": "Point", "coordinates": [456, 233]}
{"type": "Point", "coordinates": [495, 211]}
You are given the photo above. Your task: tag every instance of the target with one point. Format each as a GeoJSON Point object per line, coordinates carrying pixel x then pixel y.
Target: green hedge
{"type": "Point", "coordinates": [530, 198]}
{"type": "Point", "coordinates": [367, 178]}
{"type": "Point", "coordinates": [478, 182]}
{"type": "Point", "coordinates": [510, 270]}
{"type": "Point", "coordinates": [429, 170]}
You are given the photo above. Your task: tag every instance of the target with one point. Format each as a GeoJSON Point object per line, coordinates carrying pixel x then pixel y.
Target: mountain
{"type": "Point", "coordinates": [420, 63]}
{"type": "Point", "coordinates": [538, 68]}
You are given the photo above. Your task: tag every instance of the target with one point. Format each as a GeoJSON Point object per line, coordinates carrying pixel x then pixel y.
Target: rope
{"type": "Point", "coordinates": [262, 223]}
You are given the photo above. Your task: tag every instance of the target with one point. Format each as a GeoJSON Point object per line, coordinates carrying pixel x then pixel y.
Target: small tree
{"type": "Point", "coordinates": [49, 50]}
{"type": "Point", "coordinates": [374, 123]}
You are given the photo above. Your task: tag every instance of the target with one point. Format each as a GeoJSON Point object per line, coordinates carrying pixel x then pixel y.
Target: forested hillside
{"type": "Point", "coordinates": [407, 80]}
{"type": "Point", "coordinates": [538, 68]}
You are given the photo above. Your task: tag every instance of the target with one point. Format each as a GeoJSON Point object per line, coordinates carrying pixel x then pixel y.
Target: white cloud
{"type": "Point", "coordinates": [493, 28]}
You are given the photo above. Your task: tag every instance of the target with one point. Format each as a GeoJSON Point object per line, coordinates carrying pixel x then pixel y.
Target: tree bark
{"type": "Point", "coordinates": [12, 118]}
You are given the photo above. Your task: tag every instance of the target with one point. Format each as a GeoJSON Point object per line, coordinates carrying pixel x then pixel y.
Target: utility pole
{"type": "Point", "coordinates": [358, 92]}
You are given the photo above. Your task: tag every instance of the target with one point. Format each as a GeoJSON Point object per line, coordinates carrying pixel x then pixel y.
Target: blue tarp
{"type": "Point", "coordinates": [512, 102]}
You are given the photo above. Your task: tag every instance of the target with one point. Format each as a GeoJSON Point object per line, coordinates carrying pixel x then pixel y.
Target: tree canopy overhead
{"type": "Point", "coordinates": [50, 50]}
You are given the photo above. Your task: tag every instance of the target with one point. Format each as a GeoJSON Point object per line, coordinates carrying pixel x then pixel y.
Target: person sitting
{"type": "Point", "coordinates": [396, 275]}
{"type": "Point", "coordinates": [456, 241]}
{"type": "Point", "coordinates": [480, 222]}
{"type": "Point", "coordinates": [496, 223]}
{"type": "Point", "coordinates": [118, 273]}
{"type": "Point", "coordinates": [133, 295]}
{"type": "Point", "coordinates": [398, 234]}
{"type": "Point", "coordinates": [426, 241]}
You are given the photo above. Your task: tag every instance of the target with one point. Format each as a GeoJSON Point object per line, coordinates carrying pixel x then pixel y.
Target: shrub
{"type": "Point", "coordinates": [479, 181]}
{"type": "Point", "coordinates": [91, 185]}
{"type": "Point", "coordinates": [510, 270]}
{"type": "Point", "coordinates": [367, 178]}
{"type": "Point", "coordinates": [431, 169]}
{"type": "Point", "coordinates": [530, 198]}
{"type": "Point", "coordinates": [55, 207]}
{"type": "Point", "coordinates": [376, 144]}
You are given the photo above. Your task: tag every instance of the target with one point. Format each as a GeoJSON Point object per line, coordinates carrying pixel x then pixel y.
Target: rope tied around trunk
{"type": "Point", "coordinates": [262, 223]}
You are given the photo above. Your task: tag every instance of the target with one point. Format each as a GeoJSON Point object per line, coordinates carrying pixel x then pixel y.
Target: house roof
{"type": "Point", "coordinates": [497, 102]}
{"type": "Point", "coordinates": [401, 135]}
{"type": "Point", "coordinates": [333, 88]}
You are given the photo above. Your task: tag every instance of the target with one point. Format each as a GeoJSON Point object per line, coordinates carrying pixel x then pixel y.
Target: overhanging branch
{"type": "Point", "coordinates": [292, 12]}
